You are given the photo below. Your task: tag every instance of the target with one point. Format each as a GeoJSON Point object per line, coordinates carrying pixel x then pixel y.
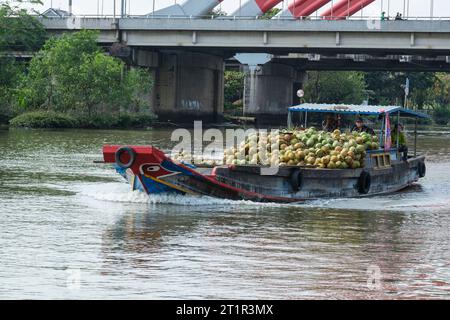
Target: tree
{"type": "Point", "coordinates": [216, 12]}
{"type": "Point", "coordinates": [441, 96]}
{"type": "Point", "coordinates": [388, 87]}
{"type": "Point", "coordinates": [137, 86]}
{"type": "Point", "coordinates": [335, 87]}
{"type": "Point", "coordinates": [71, 74]}
{"type": "Point", "coordinates": [270, 13]}
{"type": "Point", "coordinates": [233, 87]}
{"type": "Point", "coordinates": [18, 31]}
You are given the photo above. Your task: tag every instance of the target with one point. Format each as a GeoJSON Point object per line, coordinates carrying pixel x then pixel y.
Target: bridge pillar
{"type": "Point", "coordinates": [270, 90]}
{"type": "Point", "coordinates": [188, 86]}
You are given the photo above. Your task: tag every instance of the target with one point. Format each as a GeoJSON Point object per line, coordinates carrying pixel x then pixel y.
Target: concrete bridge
{"type": "Point", "coordinates": [186, 54]}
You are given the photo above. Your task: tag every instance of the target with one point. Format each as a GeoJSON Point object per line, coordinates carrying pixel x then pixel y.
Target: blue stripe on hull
{"type": "Point", "coordinates": [151, 186]}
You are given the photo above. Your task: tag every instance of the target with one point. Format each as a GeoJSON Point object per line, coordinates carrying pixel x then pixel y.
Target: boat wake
{"type": "Point", "coordinates": [424, 196]}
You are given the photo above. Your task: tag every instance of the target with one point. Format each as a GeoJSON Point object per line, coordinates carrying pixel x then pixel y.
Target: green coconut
{"type": "Point", "coordinates": [319, 153]}
{"type": "Point", "coordinates": [310, 142]}
{"type": "Point", "coordinates": [331, 165]}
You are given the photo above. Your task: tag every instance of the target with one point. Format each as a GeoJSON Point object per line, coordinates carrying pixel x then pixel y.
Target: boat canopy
{"type": "Point", "coordinates": [356, 109]}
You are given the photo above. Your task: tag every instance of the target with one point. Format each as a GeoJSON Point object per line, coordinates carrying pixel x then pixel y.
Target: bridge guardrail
{"type": "Point", "coordinates": [284, 18]}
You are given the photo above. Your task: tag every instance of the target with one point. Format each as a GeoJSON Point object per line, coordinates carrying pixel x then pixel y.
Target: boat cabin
{"type": "Point", "coordinates": [384, 115]}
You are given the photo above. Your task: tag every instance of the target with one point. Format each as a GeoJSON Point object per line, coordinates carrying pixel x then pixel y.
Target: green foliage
{"type": "Point", "coordinates": [70, 74]}
{"type": "Point", "coordinates": [216, 12]}
{"type": "Point", "coordinates": [441, 89]}
{"type": "Point", "coordinates": [441, 114]}
{"type": "Point", "coordinates": [335, 87]}
{"type": "Point", "coordinates": [271, 13]}
{"type": "Point", "coordinates": [116, 121]}
{"type": "Point", "coordinates": [233, 91]}
{"type": "Point", "coordinates": [388, 87]}
{"type": "Point", "coordinates": [42, 119]}
{"type": "Point", "coordinates": [233, 85]}
{"type": "Point", "coordinates": [51, 119]}
{"type": "Point", "coordinates": [19, 30]}
{"type": "Point", "coordinates": [136, 89]}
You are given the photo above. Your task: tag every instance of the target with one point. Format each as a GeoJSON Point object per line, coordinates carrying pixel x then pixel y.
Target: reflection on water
{"type": "Point", "coordinates": [60, 213]}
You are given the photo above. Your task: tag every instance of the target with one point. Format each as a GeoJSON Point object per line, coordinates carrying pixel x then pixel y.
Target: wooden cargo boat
{"type": "Point", "coordinates": [149, 170]}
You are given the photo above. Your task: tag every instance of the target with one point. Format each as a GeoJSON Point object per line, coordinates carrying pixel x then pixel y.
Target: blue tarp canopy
{"type": "Point", "coordinates": [356, 109]}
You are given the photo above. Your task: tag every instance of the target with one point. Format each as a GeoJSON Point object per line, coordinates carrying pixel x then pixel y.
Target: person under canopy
{"type": "Point", "coordinates": [361, 127]}
{"type": "Point", "coordinates": [398, 132]}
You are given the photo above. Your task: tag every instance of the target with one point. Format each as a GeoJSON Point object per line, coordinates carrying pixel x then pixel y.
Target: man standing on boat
{"type": "Point", "coordinates": [398, 132]}
{"type": "Point", "coordinates": [361, 127]}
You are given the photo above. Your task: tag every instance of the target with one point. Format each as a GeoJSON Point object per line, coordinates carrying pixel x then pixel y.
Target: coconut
{"type": "Point", "coordinates": [291, 163]}
{"type": "Point", "coordinates": [310, 142]}
{"type": "Point", "coordinates": [355, 164]}
{"type": "Point", "coordinates": [360, 149]}
{"type": "Point", "coordinates": [319, 148]}
{"type": "Point", "coordinates": [326, 148]}
{"type": "Point", "coordinates": [310, 160]}
{"type": "Point", "coordinates": [348, 160]}
{"type": "Point", "coordinates": [331, 165]}
{"type": "Point", "coordinates": [297, 146]}
{"type": "Point", "coordinates": [299, 154]}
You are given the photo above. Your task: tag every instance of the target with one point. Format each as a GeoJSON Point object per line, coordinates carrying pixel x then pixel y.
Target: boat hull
{"type": "Point", "coordinates": [154, 173]}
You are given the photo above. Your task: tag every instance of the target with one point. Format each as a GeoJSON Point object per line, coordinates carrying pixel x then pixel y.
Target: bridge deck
{"type": "Point", "coordinates": [268, 35]}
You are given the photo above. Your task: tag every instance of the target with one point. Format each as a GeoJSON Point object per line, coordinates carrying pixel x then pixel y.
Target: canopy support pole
{"type": "Point", "coordinates": [415, 137]}
{"type": "Point", "coordinates": [398, 129]}
{"type": "Point", "coordinates": [382, 130]}
{"type": "Point", "coordinates": [289, 120]}
{"type": "Point", "coordinates": [306, 118]}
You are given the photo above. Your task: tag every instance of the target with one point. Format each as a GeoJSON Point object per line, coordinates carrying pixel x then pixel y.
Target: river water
{"type": "Point", "coordinates": [73, 229]}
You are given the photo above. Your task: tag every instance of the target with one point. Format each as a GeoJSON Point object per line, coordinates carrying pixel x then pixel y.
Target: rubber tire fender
{"type": "Point", "coordinates": [296, 180]}
{"type": "Point", "coordinates": [120, 152]}
{"type": "Point", "coordinates": [421, 169]}
{"type": "Point", "coordinates": [364, 182]}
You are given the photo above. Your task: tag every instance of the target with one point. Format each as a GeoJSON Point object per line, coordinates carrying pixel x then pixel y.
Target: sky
{"type": "Point", "coordinates": [419, 8]}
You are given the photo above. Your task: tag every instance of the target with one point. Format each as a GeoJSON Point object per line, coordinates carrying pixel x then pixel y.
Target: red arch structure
{"type": "Point", "coordinates": [266, 5]}
{"type": "Point", "coordinates": [345, 8]}
{"type": "Point", "coordinates": [255, 7]}
{"type": "Point", "coordinates": [303, 8]}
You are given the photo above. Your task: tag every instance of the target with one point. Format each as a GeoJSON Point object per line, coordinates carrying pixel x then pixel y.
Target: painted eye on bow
{"type": "Point", "coordinates": [152, 168]}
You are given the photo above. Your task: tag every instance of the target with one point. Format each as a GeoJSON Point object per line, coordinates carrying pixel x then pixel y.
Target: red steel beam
{"type": "Point", "coordinates": [303, 8]}
{"type": "Point", "coordinates": [345, 8]}
{"type": "Point", "coordinates": [338, 8]}
{"type": "Point", "coordinates": [311, 6]}
{"type": "Point", "coordinates": [255, 7]}
{"type": "Point", "coordinates": [266, 5]}
{"type": "Point", "coordinates": [357, 7]}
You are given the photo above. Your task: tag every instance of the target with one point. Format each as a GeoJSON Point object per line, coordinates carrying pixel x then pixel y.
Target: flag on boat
{"type": "Point", "coordinates": [387, 133]}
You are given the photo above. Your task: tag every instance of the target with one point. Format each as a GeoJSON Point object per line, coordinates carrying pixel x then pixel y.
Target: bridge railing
{"type": "Point", "coordinates": [284, 18]}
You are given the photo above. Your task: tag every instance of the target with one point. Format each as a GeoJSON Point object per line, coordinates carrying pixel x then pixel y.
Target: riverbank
{"type": "Point", "coordinates": [56, 120]}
